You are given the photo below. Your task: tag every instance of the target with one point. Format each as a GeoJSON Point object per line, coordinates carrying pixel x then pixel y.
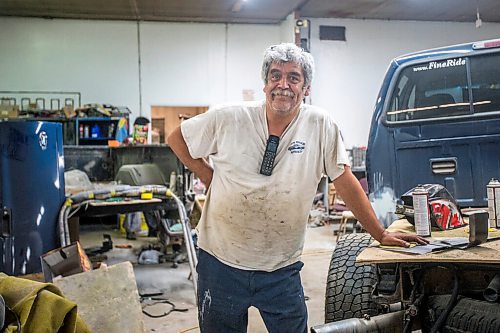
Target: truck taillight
{"type": "Point", "coordinates": [486, 44]}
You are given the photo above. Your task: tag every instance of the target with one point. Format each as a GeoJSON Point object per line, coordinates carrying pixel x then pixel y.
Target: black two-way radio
{"type": "Point", "coordinates": [267, 166]}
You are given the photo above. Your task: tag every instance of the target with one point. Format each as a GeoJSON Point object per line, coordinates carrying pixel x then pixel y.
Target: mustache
{"type": "Point", "coordinates": [282, 92]}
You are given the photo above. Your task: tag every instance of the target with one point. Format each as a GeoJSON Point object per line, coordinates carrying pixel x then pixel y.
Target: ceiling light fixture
{"type": "Point", "coordinates": [237, 6]}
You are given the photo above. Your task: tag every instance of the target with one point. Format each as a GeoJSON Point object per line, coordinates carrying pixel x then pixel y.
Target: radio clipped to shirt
{"type": "Point", "coordinates": [267, 166]}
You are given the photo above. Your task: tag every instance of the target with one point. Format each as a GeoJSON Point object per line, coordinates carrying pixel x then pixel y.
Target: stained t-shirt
{"type": "Point", "coordinates": [249, 220]}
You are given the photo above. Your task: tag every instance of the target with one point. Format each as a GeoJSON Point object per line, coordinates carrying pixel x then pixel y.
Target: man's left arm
{"type": "Point", "coordinates": [355, 198]}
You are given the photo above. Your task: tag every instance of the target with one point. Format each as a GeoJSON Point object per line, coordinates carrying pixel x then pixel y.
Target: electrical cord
{"type": "Point", "coordinates": [454, 296]}
{"type": "Point", "coordinates": [159, 301]}
{"type": "Point", "coordinates": [444, 315]}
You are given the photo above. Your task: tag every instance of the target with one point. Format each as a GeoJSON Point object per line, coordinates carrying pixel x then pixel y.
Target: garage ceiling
{"type": "Point", "coordinates": [254, 11]}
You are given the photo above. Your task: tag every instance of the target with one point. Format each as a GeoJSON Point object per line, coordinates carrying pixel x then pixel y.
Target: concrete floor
{"type": "Point", "coordinates": [175, 286]}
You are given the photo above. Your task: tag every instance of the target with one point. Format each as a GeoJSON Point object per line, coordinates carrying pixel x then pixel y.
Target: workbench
{"type": "Point", "coordinates": [486, 253]}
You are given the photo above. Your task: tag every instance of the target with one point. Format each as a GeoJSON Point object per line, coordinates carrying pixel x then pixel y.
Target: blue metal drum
{"type": "Point", "coordinates": [31, 193]}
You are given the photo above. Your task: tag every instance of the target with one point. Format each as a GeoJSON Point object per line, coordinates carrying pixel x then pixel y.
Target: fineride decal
{"type": "Point", "coordinates": [440, 64]}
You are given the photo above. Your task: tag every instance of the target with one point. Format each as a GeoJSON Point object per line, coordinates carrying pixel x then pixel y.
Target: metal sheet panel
{"type": "Point", "coordinates": [31, 191]}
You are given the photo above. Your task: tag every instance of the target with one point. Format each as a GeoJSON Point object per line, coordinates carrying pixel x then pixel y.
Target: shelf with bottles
{"type": "Point", "coordinates": [95, 130]}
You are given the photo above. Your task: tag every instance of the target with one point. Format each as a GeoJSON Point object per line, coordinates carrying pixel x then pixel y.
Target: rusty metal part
{"type": "Point", "coordinates": [491, 292]}
{"type": "Point", "coordinates": [386, 323]}
{"type": "Point", "coordinates": [438, 279]}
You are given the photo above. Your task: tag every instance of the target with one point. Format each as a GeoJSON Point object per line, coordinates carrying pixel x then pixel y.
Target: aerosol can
{"type": "Point", "coordinates": [422, 216]}
{"type": "Point", "coordinates": [493, 190]}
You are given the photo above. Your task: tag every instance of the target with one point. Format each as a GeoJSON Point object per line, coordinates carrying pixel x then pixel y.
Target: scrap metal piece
{"type": "Point", "coordinates": [386, 323]}
{"type": "Point", "coordinates": [478, 228]}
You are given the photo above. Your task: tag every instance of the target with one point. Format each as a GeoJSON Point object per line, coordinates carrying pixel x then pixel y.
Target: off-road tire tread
{"type": "Point", "coordinates": [468, 316]}
{"type": "Point", "coordinates": [349, 285]}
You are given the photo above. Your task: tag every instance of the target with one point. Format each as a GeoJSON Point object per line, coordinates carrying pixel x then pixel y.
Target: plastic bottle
{"type": "Point", "coordinates": [111, 130]}
{"type": "Point", "coordinates": [96, 131]}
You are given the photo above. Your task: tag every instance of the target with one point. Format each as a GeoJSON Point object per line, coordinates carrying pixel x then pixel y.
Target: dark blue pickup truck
{"type": "Point", "coordinates": [437, 120]}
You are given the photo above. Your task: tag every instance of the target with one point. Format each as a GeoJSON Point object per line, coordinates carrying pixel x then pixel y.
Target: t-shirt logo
{"type": "Point", "coordinates": [297, 147]}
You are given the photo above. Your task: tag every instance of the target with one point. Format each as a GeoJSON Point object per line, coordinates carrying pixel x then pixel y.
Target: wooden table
{"type": "Point", "coordinates": [487, 253]}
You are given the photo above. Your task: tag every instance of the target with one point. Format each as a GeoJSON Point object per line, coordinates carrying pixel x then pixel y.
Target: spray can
{"type": "Point", "coordinates": [172, 182]}
{"type": "Point", "coordinates": [421, 215]}
{"type": "Point", "coordinates": [493, 191]}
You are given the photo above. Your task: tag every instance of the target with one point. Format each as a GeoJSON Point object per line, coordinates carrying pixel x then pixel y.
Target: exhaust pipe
{"type": "Point", "coordinates": [386, 323]}
{"type": "Point", "coordinates": [491, 292]}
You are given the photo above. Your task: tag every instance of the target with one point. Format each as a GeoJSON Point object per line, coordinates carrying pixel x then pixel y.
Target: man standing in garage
{"type": "Point", "coordinates": [268, 158]}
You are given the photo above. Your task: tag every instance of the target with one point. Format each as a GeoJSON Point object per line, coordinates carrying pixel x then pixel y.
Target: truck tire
{"type": "Point", "coordinates": [349, 286]}
{"type": "Point", "coordinates": [468, 315]}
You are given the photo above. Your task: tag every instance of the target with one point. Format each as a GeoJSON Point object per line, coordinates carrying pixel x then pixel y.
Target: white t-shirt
{"type": "Point", "coordinates": [251, 221]}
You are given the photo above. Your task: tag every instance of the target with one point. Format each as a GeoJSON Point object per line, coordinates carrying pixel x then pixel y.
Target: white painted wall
{"type": "Point", "coordinates": [287, 29]}
{"type": "Point", "coordinates": [349, 73]}
{"type": "Point", "coordinates": [182, 64]}
{"type": "Point", "coordinates": [247, 44]}
{"type": "Point", "coordinates": [96, 58]}
{"type": "Point", "coordinates": [195, 64]}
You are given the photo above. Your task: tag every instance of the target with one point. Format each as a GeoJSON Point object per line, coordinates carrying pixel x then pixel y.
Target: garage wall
{"type": "Point", "coordinates": [349, 73]}
{"type": "Point", "coordinates": [182, 64]}
{"type": "Point", "coordinates": [201, 64]}
{"type": "Point", "coordinates": [197, 64]}
{"type": "Point", "coordinates": [96, 58]}
{"type": "Point", "coordinates": [244, 58]}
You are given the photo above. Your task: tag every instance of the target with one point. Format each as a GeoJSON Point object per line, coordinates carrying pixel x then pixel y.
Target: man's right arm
{"type": "Point", "coordinates": [197, 165]}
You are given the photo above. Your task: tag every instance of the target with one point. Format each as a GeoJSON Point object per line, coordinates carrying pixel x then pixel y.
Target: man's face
{"type": "Point", "coordinates": [285, 87]}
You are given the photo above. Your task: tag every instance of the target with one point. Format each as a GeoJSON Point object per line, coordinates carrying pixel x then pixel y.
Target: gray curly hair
{"type": "Point", "coordinates": [286, 52]}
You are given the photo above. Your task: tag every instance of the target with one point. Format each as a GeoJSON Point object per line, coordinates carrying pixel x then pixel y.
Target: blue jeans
{"type": "Point", "coordinates": [225, 294]}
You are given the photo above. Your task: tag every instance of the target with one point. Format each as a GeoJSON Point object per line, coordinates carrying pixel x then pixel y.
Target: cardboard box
{"type": "Point", "coordinates": [65, 261]}
{"type": "Point", "coordinates": [9, 111]}
{"type": "Point", "coordinates": [69, 111]}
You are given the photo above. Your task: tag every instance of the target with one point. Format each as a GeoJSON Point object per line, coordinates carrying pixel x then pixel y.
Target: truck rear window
{"type": "Point", "coordinates": [485, 77]}
{"type": "Point", "coordinates": [438, 89]}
